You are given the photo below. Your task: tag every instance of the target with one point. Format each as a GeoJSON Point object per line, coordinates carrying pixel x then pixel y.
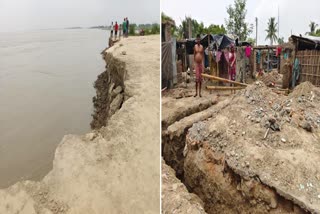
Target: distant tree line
{"type": "Point", "coordinates": [235, 25]}
{"type": "Point", "coordinates": [134, 29]}
{"type": "Point", "coordinates": [182, 30]}
{"type": "Point", "coordinates": [147, 28]}
{"type": "Point", "coordinates": [100, 26]}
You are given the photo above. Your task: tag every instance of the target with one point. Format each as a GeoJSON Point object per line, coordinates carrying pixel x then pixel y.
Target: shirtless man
{"type": "Point", "coordinates": [198, 63]}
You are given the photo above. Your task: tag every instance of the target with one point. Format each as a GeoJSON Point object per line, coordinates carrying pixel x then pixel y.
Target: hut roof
{"type": "Point", "coordinates": [307, 42]}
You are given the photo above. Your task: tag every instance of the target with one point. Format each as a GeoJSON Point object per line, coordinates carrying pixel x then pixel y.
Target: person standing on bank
{"type": "Point", "coordinates": [111, 27]}
{"type": "Point", "coordinates": [127, 26]}
{"type": "Point", "coordinates": [198, 53]}
{"type": "Point", "coordinates": [124, 25]}
{"type": "Point", "coordinates": [116, 27]}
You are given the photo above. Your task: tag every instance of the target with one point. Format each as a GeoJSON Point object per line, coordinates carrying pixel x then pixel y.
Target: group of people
{"type": "Point", "coordinates": [199, 62]}
{"type": "Point", "coordinates": [121, 28]}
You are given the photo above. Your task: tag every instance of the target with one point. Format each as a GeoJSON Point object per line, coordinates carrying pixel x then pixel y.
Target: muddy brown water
{"type": "Point", "coordinates": [46, 90]}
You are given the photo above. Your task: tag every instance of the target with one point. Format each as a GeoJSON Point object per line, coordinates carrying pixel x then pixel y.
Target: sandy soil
{"type": "Point", "coordinates": [112, 170]}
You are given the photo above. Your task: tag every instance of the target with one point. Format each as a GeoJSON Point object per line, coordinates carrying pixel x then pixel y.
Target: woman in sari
{"type": "Point", "coordinates": [232, 64]}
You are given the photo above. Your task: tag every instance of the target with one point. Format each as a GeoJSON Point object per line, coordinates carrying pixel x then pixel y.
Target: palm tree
{"type": "Point", "coordinates": [280, 40]}
{"type": "Point", "coordinates": [313, 27]}
{"type": "Point", "coordinates": [272, 30]}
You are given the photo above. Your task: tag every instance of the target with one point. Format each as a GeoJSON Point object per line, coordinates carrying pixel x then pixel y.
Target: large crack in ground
{"type": "Point", "coordinates": [109, 91]}
{"type": "Point", "coordinates": [220, 155]}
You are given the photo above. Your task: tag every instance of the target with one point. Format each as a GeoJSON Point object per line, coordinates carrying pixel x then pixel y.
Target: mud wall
{"type": "Point", "coordinates": [175, 125]}
{"type": "Point", "coordinates": [225, 190]}
{"type": "Point", "coordinates": [175, 196]}
{"type": "Point", "coordinates": [109, 91]}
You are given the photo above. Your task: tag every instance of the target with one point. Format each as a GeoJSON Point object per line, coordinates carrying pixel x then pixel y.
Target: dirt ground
{"type": "Point", "coordinates": [256, 151]}
{"type": "Point", "coordinates": [111, 170]}
{"type": "Point", "coordinates": [175, 196]}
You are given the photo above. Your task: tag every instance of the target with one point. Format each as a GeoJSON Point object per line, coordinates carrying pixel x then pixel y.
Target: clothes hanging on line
{"type": "Point", "coordinates": [258, 57]}
{"type": "Point", "coordinates": [218, 57]}
{"type": "Point", "coordinates": [248, 51]}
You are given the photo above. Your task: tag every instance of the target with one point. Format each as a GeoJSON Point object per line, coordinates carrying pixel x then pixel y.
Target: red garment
{"type": "Point", "coordinates": [116, 27]}
{"type": "Point", "coordinates": [248, 51]}
{"type": "Point", "coordinates": [226, 55]}
{"type": "Point", "coordinates": [199, 69]}
{"type": "Point", "coordinates": [218, 56]}
{"type": "Point", "coordinates": [278, 52]}
{"type": "Point", "coordinates": [232, 69]}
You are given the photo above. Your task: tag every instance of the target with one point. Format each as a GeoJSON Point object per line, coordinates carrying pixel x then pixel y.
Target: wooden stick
{"type": "Point", "coordinates": [266, 134]}
{"type": "Point", "coordinates": [218, 72]}
{"type": "Point", "coordinates": [223, 80]}
{"type": "Point", "coordinates": [224, 88]}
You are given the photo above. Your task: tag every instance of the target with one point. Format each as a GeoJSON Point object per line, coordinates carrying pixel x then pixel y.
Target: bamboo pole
{"type": "Point", "coordinates": [224, 88]}
{"type": "Point", "coordinates": [266, 134]}
{"type": "Point", "coordinates": [218, 72]}
{"type": "Point", "coordinates": [223, 80]}
{"type": "Point", "coordinates": [254, 61]}
{"type": "Point", "coordinates": [318, 69]}
{"type": "Point", "coordinates": [209, 51]}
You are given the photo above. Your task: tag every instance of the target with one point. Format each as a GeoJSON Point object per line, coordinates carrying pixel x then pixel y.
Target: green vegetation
{"type": "Point", "coordinates": [280, 40]}
{"type": "Point", "coordinates": [272, 30]}
{"type": "Point", "coordinates": [313, 29]}
{"type": "Point", "coordinates": [132, 29]}
{"type": "Point", "coordinates": [148, 29]}
{"type": "Point", "coordinates": [165, 18]}
{"type": "Point", "coordinates": [216, 29]}
{"type": "Point", "coordinates": [236, 23]}
{"type": "Point", "coordinates": [252, 41]}
{"type": "Point", "coordinates": [155, 29]}
{"type": "Point", "coordinates": [198, 28]}
{"type": "Point", "coordinates": [99, 27]}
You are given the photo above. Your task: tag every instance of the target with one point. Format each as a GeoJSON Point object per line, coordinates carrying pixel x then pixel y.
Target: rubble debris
{"type": "Point", "coordinates": [256, 136]}
{"type": "Point", "coordinates": [271, 79]}
{"type": "Point", "coordinates": [306, 125]}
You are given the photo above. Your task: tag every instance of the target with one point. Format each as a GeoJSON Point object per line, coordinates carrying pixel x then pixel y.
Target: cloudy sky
{"type": "Point", "coordinates": [295, 15]}
{"type": "Point", "coordinates": [21, 15]}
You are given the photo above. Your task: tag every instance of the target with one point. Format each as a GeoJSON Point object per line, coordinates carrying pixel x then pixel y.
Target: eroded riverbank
{"type": "Point", "coordinates": [113, 168]}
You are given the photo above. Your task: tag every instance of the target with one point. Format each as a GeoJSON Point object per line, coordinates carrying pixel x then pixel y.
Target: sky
{"type": "Point", "coordinates": [295, 15]}
{"type": "Point", "coordinates": [24, 15]}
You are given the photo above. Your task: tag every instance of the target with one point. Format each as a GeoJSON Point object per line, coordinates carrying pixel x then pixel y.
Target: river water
{"type": "Point", "coordinates": [46, 90]}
